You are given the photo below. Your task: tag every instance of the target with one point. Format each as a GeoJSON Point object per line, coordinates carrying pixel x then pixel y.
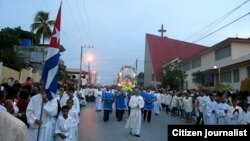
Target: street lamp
{"type": "Point", "coordinates": [89, 73]}
{"type": "Point", "coordinates": [216, 67]}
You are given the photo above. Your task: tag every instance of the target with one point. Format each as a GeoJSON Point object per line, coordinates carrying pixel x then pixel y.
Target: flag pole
{"type": "Point", "coordinates": [39, 128]}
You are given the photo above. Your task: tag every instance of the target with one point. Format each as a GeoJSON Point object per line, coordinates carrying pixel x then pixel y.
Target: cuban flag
{"type": "Point", "coordinates": [50, 68]}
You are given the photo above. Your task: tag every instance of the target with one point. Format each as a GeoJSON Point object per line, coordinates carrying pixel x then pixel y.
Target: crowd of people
{"type": "Point", "coordinates": [58, 119]}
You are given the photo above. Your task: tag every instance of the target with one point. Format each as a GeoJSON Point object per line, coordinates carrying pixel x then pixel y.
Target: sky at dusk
{"type": "Point", "coordinates": [116, 28]}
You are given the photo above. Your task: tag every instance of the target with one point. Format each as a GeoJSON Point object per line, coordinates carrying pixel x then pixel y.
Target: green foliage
{"type": "Point", "coordinates": [173, 76]}
{"type": "Point", "coordinates": [9, 37]}
{"type": "Point", "coordinates": [140, 75]}
{"type": "Point", "coordinates": [42, 25]}
{"type": "Point", "coordinates": [223, 87]}
{"type": "Point", "coordinates": [13, 36]}
{"type": "Point", "coordinates": [127, 89]}
{"type": "Point", "coordinates": [10, 59]}
{"type": "Point", "coordinates": [63, 74]}
{"type": "Point", "coordinates": [198, 77]}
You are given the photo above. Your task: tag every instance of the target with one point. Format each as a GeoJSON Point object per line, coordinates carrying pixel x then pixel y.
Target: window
{"type": "Point", "coordinates": [223, 53]}
{"type": "Point", "coordinates": [196, 63]}
{"type": "Point", "coordinates": [226, 76]}
{"type": "Point", "coordinates": [236, 75]}
{"type": "Point", "coordinates": [248, 71]}
{"type": "Point", "coordinates": [187, 67]}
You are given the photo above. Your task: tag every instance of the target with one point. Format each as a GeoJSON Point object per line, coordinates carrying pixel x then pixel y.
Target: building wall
{"type": "Point", "coordinates": [21, 76]}
{"type": "Point", "coordinates": [189, 79]}
{"type": "Point", "coordinates": [207, 61]}
{"type": "Point", "coordinates": [148, 68]}
{"type": "Point", "coordinates": [7, 73]}
{"type": "Point", "coordinates": [240, 49]}
{"type": "Point", "coordinates": [243, 75]}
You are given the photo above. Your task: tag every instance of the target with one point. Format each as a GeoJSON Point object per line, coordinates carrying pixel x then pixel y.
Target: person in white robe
{"type": "Point", "coordinates": [40, 106]}
{"type": "Point", "coordinates": [98, 99]}
{"type": "Point", "coordinates": [157, 102]}
{"type": "Point", "coordinates": [206, 100]}
{"type": "Point", "coordinates": [244, 115]}
{"type": "Point", "coordinates": [174, 104]}
{"type": "Point", "coordinates": [188, 107]}
{"type": "Point", "coordinates": [211, 105]}
{"type": "Point", "coordinates": [70, 94]}
{"type": "Point", "coordinates": [75, 119]}
{"type": "Point", "coordinates": [201, 107]}
{"type": "Point", "coordinates": [223, 111]}
{"type": "Point", "coordinates": [63, 99]}
{"type": "Point", "coordinates": [168, 100]}
{"type": "Point", "coordinates": [82, 97]}
{"type": "Point", "coordinates": [234, 113]}
{"type": "Point", "coordinates": [63, 126]}
{"type": "Point", "coordinates": [136, 102]}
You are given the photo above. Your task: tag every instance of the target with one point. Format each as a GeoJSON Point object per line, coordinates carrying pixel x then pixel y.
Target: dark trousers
{"type": "Point", "coordinates": [167, 109]}
{"type": "Point", "coordinates": [106, 115]}
{"type": "Point", "coordinates": [200, 119]}
{"type": "Point", "coordinates": [147, 114]}
{"type": "Point", "coordinates": [116, 113]}
{"type": "Point", "coordinates": [119, 114]}
{"type": "Point", "coordinates": [174, 111]}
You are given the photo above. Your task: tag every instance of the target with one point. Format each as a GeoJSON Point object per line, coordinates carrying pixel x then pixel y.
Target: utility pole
{"type": "Point", "coordinates": [89, 71]}
{"type": "Point", "coordinates": [136, 65]}
{"type": "Point", "coordinates": [80, 73]}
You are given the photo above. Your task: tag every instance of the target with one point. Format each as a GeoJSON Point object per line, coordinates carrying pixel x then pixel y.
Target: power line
{"type": "Point", "coordinates": [65, 35]}
{"type": "Point", "coordinates": [77, 23]}
{"type": "Point", "coordinates": [80, 16]}
{"type": "Point", "coordinates": [222, 27]}
{"type": "Point", "coordinates": [217, 21]}
{"type": "Point", "coordinates": [87, 19]}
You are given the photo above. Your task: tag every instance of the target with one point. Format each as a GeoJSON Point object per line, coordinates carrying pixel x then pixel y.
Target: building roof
{"type": "Point", "coordinates": [162, 50]}
{"type": "Point", "coordinates": [221, 44]}
{"type": "Point", "coordinates": [62, 49]}
{"type": "Point", "coordinates": [75, 71]}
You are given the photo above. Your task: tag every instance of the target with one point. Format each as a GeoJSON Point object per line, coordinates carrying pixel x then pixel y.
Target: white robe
{"type": "Point", "coordinates": [98, 99]}
{"type": "Point", "coordinates": [206, 99]}
{"type": "Point", "coordinates": [2, 108]}
{"type": "Point", "coordinates": [33, 112]}
{"type": "Point", "coordinates": [168, 99]}
{"type": "Point", "coordinates": [76, 105]}
{"type": "Point", "coordinates": [223, 118]}
{"type": "Point", "coordinates": [244, 117]}
{"type": "Point", "coordinates": [64, 99]}
{"type": "Point", "coordinates": [157, 103]}
{"type": "Point", "coordinates": [188, 105]}
{"type": "Point", "coordinates": [134, 120]}
{"type": "Point", "coordinates": [211, 117]}
{"type": "Point", "coordinates": [234, 116]}
{"type": "Point", "coordinates": [74, 126]}
{"type": "Point", "coordinates": [174, 102]}
{"type": "Point", "coordinates": [63, 126]}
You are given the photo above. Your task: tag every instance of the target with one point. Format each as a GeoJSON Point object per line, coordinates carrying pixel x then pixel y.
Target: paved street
{"type": "Point", "coordinates": [92, 127]}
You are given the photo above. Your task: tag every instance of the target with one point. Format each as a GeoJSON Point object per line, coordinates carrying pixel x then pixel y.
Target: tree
{"type": "Point", "coordinates": [63, 74]}
{"type": "Point", "coordinates": [140, 79]}
{"type": "Point", "coordinates": [42, 25]}
{"type": "Point", "coordinates": [198, 78]}
{"type": "Point", "coordinates": [173, 75]}
{"type": "Point", "coordinates": [10, 37]}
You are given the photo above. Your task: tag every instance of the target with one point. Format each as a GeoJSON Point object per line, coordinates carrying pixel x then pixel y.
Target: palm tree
{"type": "Point", "coordinates": [41, 25]}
